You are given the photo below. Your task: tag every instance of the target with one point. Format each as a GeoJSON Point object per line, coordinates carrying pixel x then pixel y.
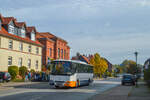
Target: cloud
{"type": "Point", "coordinates": [120, 47]}
{"type": "Point", "coordinates": [144, 3]}
{"type": "Point", "coordinates": [114, 28]}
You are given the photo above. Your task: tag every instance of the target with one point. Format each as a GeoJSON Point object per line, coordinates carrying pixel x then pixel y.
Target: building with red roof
{"type": "Point", "coordinates": [22, 45]}
{"type": "Point", "coordinates": [18, 45]}
{"type": "Point", "coordinates": [81, 58]}
{"type": "Point", "coordinates": [54, 47]}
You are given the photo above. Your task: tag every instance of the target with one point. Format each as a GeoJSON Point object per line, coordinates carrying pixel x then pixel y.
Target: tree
{"type": "Point", "coordinates": [129, 66]}
{"type": "Point", "coordinates": [100, 65]}
{"type": "Point", "coordinates": [147, 76]}
{"type": "Point", "coordinates": [22, 71]}
{"type": "Point", "coordinates": [13, 70]}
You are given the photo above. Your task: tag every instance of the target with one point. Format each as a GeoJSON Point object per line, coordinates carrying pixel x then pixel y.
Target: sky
{"type": "Point", "coordinates": [113, 28]}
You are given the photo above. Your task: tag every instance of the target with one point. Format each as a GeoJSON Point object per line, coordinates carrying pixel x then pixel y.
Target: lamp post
{"type": "Point", "coordinates": [136, 54]}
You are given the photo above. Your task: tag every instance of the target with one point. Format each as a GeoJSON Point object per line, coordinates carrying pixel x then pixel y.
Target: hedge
{"type": "Point", "coordinates": [147, 76]}
{"type": "Point", "coordinates": [22, 71]}
{"type": "Point", "coordinates": [14, 71]}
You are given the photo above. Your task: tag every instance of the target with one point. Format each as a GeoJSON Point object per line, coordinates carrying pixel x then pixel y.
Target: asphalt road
{"type": "Point", "coordinates": [42, 91]}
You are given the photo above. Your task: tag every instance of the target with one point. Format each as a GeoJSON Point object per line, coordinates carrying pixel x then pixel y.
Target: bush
{"type": "Point", "coordinates": [13, 70]}
{"type": "Point", "coordinates": [147, 76]}
{"type": "Point", "coordinates": [32, 71]}
{"type": "Point", "coordinates": [22, 71]}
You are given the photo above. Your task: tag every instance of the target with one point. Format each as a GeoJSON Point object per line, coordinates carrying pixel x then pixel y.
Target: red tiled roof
{"type": "Point", "coordinates": [50, 35]}
{"type": "Point", "coordinates": [5, 33]}
{"type": "Point", "coordinates": [86, 59]}
{"type": "Point", "coordinates": [47, 34]}
{"type": "Point", "coordinates": [6, 20]}
{"type": "Point", "coordinates": [29, 29]}
{"type": "Point", "coordinates": [38, 36]}
{"type": "Point", "coordinates": [20, 24]}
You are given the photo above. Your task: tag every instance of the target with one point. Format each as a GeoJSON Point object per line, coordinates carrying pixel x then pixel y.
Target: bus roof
{"type": "Point", "coordinates": [74, 61]}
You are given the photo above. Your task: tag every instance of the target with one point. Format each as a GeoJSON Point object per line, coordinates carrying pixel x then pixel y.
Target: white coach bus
{"type": "Point", "coordinates": [70, 73]}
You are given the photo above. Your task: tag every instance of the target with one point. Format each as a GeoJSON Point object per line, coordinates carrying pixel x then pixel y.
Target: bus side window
{"type": "Point", "coordinates": [74, 67]}
{"type": "Point", "coordinates": [77, 68]}
{"type": "Point", "coordinates": [83, 68]}
{"type": "Point", "coordinates": [91, 68]}
{"type": "Point", "coordinates": [86, 68]}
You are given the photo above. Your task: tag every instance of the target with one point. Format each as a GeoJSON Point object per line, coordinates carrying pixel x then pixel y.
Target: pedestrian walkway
{"type": "Point", "coordinates": [11, 85]}
{"type": "Point", "coordinates": [141, 92]}
{"type": "Point", "coordinates": [117, 93]}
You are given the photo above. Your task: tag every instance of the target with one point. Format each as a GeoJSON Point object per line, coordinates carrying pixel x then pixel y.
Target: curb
{"type": "Point", "coordinates": [6, 88]}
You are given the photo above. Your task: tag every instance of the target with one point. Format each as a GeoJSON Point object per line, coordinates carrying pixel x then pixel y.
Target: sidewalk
{"type": "Point", "coordinates": [142, 92]}
{"type": "Point", "coordinates": [116, 93]}
{"type": "Point", "coordinates": [10, 85]}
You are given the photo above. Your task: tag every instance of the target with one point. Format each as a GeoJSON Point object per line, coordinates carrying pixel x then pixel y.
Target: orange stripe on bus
{"type": "Point", "coordinates": [70, 84]}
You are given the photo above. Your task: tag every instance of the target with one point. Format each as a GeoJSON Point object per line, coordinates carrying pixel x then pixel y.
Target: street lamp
{"type": "Point", "coordinates": [136, 54]}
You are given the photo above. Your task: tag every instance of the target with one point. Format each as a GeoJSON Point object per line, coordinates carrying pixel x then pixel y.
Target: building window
{"type": "Point", "coordinates": [21, 46]}
{"type": "Point", "coordinates": [9, 60]}
{"type": "Point", "coordinates": [62, 53]}
{"type": "Point", "coordinates": [50, 52]}
{"type": "Point", "coordinates": [36, 64]}
{"type": "Point", "coordinates": [58, 52]}
{"type": "Point", "coordinates": [16, 31]}
{"type": "Point", "coordinates": [20, 62]}
{"type": "Point", "coordinates": [37, 50]}
{"type": "Point", "coordinates": [11, 28]}
{"type": "Point", "coordinates": [33, 36]}
{"type": "Point", "coordinates": [10, 44]}
{"type": "Point", "coordinates": [29, 63]}
{"type": "Point", "coordinates": [29, 48]}
{"type": "Point", "coordinates": [23, 32]}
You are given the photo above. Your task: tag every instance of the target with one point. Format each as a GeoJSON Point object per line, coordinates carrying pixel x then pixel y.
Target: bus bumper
{"type": "Point", "coordinates": [70, 84]}
{"type": "Point", "coordinates": [63, 84]}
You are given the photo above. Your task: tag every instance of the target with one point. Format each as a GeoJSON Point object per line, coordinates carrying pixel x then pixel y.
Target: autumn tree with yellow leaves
{"type": "Point", "coordinates": [100, 65]}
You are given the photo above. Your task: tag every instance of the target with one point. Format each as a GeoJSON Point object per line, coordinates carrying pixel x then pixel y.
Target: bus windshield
{"type": "Point", "coordinates": [62, 68]}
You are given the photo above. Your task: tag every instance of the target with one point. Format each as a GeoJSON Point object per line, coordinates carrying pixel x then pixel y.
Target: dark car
{"type": "Point", "coordinates": [128, 79]}
{"type": "Point", "coordinates": [5, 76]}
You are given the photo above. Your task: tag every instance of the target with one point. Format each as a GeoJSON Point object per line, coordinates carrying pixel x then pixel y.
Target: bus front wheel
{"type": "Point", "coordinates": [77, 84]}
{"type": "Point", "coordinates": [56, 86]}
{"type": "Point", "coordinates": [89, 81]}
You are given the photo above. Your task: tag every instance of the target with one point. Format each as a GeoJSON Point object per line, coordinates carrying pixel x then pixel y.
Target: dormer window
{"type": "Point", "coordinates": [33, 36]}
{"type": "Point", "coordinates": [16, 31]}
{"type": "Point", "coordinates": [0, 24]}
{"type": "Point", "coordinates": [23, 32]}
{"type": "Point", "coordinates": [11, 28]}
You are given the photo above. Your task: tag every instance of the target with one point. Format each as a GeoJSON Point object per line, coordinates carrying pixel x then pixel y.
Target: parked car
{"type": "Point", "coordinates": [5, 77]}
{"type": "Point", "coordinates": [119, 75]}
{"type": "Point", "coordinates": [128, 79]}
